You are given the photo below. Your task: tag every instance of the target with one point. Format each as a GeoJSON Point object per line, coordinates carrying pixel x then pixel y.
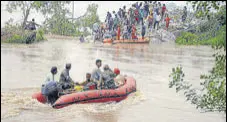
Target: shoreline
{"type": "Point", "coordinates": [55, 36]}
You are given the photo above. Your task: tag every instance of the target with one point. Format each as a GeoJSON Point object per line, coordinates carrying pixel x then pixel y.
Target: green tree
{"type": "Point", "coordinates": [205, 8]}
{"type": "Point", "coordinates": [45, 7]}
{"type": "Point", "coordinates": [91, 16]}
{"type": "Point", "coordinates": [212, 95]}
{"type": "Point", "coordinates": [59, 23]}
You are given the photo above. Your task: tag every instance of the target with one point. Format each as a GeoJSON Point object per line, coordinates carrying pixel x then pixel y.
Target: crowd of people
{"type": "Point", "coordinates": [123, 24]}
{"type": "Point", "coordinates": [106, 79]}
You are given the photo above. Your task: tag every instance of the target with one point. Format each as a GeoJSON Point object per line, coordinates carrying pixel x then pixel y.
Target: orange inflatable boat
{"type": "Point", "coordinates": [139, 40]}
{"type": "Point", "coordinates": [108, 41]}
{"type": "Point", "coordinates": [93, 96]}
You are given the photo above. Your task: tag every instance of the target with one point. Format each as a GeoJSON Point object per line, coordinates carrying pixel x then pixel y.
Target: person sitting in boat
{"type": "Point", "coordinates": [125, 32]}
{"type": "Point", "coordinates": [130, 31]}
{"type": "Point", "coordinates": [107, 35]}
{"type": "Point", "coordinates": [134, 37]}
{"type": "Point", "coordinates": [51, 88]}
{"type": "Point", "coordinates": [108, 78]}
{"type": "Point", "coordinates": [107, 82]}
{"type": "Point", "coordinates": [108, 71]}
{"type": "Point", "coordinates": [119, 79]}
{"type": "Point", "coordinates": [96, 74]}
{"type": "Point", "coordinates": [114, 34]}
{"type": "Point", "coordinates": [65, 80]}
{"type": "Point", "coordinates": [89, 84]}
{"type": "Point", "coordinates": [82, 38]}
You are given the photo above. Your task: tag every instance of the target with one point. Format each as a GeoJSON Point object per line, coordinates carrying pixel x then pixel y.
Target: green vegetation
{"type": "Point", "coordinates": [209, 31]}
{"type": "Point", "coordinates": [45, 7]}
{"type": "Point", "coordinates": [15, 34]}
{"type": "Point", "coordinates": [61, 25]}
{"type": "Point", "coordinates": [21, 38]}
{"type": "Point", "coordinates": [212, 95]}
{"type": "Point", "coordinates": [56, 20]}
{"type": "Point", "coordinates": [40, 35]}
{"type": "Point", "coordinates": [188, 38]}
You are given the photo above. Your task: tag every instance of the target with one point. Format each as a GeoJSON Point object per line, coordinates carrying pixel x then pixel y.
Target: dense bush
{"type": "Point", "coordinates": [186, 38]}
{"type": "Point", "coordinates": [15, 34]}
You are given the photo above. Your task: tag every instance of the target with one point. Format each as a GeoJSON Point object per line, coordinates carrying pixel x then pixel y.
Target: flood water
{"type": "Point", "coordinates": [24, 69]}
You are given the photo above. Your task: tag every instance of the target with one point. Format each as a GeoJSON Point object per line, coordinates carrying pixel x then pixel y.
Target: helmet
{"type": "Point", "coordinates": [53, 70]}
{"type": "Point", "coordinates": [116, 71]}
{"type": "Point", "coordinates": [98, 60]}
{"type": "Point", "coordinates": [68, 66]}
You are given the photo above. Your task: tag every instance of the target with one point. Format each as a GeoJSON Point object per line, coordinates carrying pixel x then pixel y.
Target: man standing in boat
{"type": "Point", "coordinates": [96, 74]}
{"type": "Point", "coordinates": [50, 88]}
{"type": "Point", "coordinates": [65, 80]}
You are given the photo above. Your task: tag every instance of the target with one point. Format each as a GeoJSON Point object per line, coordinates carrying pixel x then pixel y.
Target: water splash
{"type": "Point", "coordinates": [132, 99]}
{"type": "Point", "coordinates": [14, 102]}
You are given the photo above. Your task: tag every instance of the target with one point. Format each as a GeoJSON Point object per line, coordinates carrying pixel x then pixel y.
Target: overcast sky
{"type": "Point", "coordinates": [79, 9]}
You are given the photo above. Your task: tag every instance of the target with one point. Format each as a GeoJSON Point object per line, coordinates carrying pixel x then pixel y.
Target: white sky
{"type": "Point", "coordinates": [79, 9]}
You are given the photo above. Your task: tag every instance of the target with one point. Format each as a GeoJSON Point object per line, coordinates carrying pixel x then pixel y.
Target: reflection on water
{"type": "Point", "coordinates": [24, 68]}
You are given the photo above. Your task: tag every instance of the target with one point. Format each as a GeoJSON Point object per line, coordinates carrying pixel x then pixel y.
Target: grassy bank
{"type": "Point", "coordinates": [15, 34]}
{"type": "Point", "coordinates": [187, 38]}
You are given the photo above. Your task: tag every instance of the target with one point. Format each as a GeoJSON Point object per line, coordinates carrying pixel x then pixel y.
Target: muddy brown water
{"type": "Point", "coordinates": [24, 68]}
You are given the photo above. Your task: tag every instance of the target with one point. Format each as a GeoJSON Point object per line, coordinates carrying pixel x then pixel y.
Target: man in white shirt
{"type": "Point", "coordinates": [157, 20]}
{"type": "Point", "coordinates": [96, 74]}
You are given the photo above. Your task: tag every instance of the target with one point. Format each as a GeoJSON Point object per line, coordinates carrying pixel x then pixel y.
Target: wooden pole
{"type": "Point", "coordinates": [73, 12]}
